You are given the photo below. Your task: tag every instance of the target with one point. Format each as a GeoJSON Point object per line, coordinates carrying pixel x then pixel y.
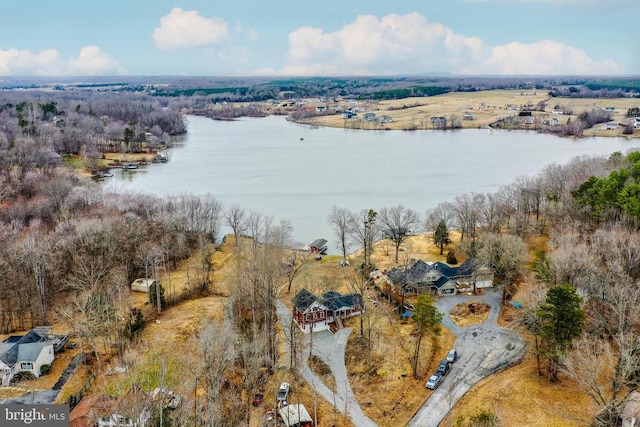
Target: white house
{"type": "Point", "coordinates": [143, 285]}
{"type": "Point", "coordinates": [369, 117]}
{"type": "Point", "coordinates": [26, 353]}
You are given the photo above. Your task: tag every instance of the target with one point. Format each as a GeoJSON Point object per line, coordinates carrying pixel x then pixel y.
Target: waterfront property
{"type": "Point", "coordinates": [439, 278]}
{"type": "Point", "coordinates": [312, 313]}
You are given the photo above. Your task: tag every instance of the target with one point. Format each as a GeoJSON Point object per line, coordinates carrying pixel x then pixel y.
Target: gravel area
{"type": "Point", "coordinates": [482, 351]}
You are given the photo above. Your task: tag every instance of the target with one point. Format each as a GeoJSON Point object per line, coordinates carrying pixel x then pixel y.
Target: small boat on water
{"type": "Point", "coordinates": [130, 165]}
{"type": "Point", "coordinates": [101, 175]}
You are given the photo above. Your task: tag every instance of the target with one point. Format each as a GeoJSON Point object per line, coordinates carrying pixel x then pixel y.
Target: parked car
{"type": "Point", "coordinates": [434, 381]}
{"type": "Point", "coordinates": [283, 392]}
{"type": "Point", "coordinates": [444, 367]}
{"type": "Point", "coordinates": [257, 399]}
{"type": "Point", "coordinates": [452, 356]}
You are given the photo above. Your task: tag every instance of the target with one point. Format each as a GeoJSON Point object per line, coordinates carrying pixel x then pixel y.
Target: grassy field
{"type": "Point", "coordinates": [486, 107]}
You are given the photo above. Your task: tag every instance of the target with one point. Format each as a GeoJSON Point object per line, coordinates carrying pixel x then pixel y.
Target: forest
{"type": "Point", "coordinates": [70, 249]}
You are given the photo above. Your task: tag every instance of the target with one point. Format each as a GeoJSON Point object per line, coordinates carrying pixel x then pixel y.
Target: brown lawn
{"type": "Point", "coordinates": [414, 113]}
{"type": "Point", "coordinates": [383, 382]}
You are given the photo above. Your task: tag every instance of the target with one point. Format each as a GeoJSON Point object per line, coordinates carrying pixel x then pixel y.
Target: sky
{"type": "Point", "coordinates": [319, 38]}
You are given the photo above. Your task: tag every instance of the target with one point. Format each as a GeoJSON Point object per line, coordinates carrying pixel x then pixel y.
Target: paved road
{"type": "Point", "coordinates": [482, 351]}
{"type": "Point", "coordinates": [330, 348]}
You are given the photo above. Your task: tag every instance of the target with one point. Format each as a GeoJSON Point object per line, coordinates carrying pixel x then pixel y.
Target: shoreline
{"type": "Point", "coordinates": [492, 109]}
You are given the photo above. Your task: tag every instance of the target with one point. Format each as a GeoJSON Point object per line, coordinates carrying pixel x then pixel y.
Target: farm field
{"type": "Point", "coordinates": [485, 107]}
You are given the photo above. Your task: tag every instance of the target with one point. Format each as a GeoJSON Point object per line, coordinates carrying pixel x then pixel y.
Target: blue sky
{"type": "Point", "coordinates": [329, 37]}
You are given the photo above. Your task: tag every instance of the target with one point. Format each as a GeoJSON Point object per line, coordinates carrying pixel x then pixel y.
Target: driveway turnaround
{"type": "Point", "coordinates": [330, 349]}
{"type": "Point", "coordinates": [482, 351]}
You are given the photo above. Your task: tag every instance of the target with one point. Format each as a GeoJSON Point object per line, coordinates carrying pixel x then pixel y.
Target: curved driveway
{"type": "Point", "coordinates": [482, 350]}
{"type": "Point", "coordinates": [330, 349]}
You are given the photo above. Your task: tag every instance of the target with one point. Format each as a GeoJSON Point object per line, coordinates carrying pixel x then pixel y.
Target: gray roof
{"type": "Point", "coordinates": [30, 352]}
{"type": "Point", "coordinates": [335, 300]}
{"type": "Point", "coordinates": [414, 275]}
{"type": "Point", "coordinates": [25, 346]}
{"type": "Point", "coordinates": [332, 300]}
{"type": "Point", "coordinates": [318, 243]}
{"type": "Point", "coordinates": [303, 300]}
{"type": "Point", "coordinates": [8, 353]}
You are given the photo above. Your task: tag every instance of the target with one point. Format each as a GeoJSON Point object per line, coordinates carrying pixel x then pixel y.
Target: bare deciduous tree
{"type": "Point", "coordinates": [339, 222]}
{"type": "Point", "coordinates": [236, 219]}
{"type": "Point", "coordinates": [398, 223]}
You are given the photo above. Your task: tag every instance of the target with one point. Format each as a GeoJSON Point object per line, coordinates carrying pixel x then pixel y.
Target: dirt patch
{"type": "Point", "coordinates": [322, 371]}
{"type": "Point", "coordinates": [469, 313]}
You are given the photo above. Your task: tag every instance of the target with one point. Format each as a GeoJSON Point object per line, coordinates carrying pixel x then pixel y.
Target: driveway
{"type": "Point", "coordinates": [482, 351]}
{"type": "Point", "coordinates": [48, 396]}
{"type": "Point", "coordinates": [330, 349]}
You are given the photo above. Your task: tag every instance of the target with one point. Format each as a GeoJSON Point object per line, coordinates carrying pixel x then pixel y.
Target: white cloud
{"type": "Point", "coordinates": [25, 62]}
{"type": "Point", "coordinates": [409, 43]}
{"type": "Point", "coordinates": [187, 28]}
{"type": "Point", "coordinates": [90, 61]}
{"type": "Point", "coordinates": [395, 42]}
{"type": "Point", "coordinates": [93, 61]}
{"type": "Point", "coordinates": [543, 57]}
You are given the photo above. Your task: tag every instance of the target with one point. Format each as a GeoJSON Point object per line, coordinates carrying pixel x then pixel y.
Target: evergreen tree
{"type": "Point", "coordinates": [441, 235]}
{"type": "Point", "coordinates": [426, 319]}
{"type": "Point", "coordinates": [562, 319]}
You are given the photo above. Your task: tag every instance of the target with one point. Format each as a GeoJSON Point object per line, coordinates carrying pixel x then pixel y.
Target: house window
{"type": "Point", "coordinates": [26, 366]}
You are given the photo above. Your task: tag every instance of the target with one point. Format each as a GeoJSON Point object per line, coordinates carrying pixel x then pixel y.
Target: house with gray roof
{"type": "Point", "coordinates": [312, 313]}
{"type": "Point", "coordinates": [26, 353]}
{"type": "Point", "coordinates": [439, 278]}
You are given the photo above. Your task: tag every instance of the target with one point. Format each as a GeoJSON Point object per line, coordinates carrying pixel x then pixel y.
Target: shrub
{"type": "Point", "coordinates": [45, 369]}
{"type": "Point", "coordinates": [451, 258]}
{"type": "Point", "coordinates": [484, 418]}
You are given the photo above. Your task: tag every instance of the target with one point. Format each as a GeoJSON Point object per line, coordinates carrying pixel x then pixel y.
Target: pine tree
{"type": "Point", "coordinates": [441, 235]}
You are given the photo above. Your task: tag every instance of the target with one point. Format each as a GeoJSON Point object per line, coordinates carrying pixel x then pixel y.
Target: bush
{"type": "Point", "coordinates": [451, 258]}
{"type": "Point", "coordinates": [45, 369]}
{"type": "Point", "coordinates": [484, 418]}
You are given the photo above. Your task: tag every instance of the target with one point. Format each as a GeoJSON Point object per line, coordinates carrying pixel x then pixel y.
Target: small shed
{"type": "Point", "coordinates": [319, 246]}
{"type": "Point", "coordinates": [143, 285]}
{"type": "Point", "coordinates": [295, 415]}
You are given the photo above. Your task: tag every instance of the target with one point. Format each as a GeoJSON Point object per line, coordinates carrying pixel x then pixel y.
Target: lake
{"type": "Point", "coordinates": [298, 172]}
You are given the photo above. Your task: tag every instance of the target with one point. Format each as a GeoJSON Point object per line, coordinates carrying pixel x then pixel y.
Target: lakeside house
{"type": "Point", "coordinates": [439, 278]}
{"type": "Point", "coordinates": [312, 313]}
